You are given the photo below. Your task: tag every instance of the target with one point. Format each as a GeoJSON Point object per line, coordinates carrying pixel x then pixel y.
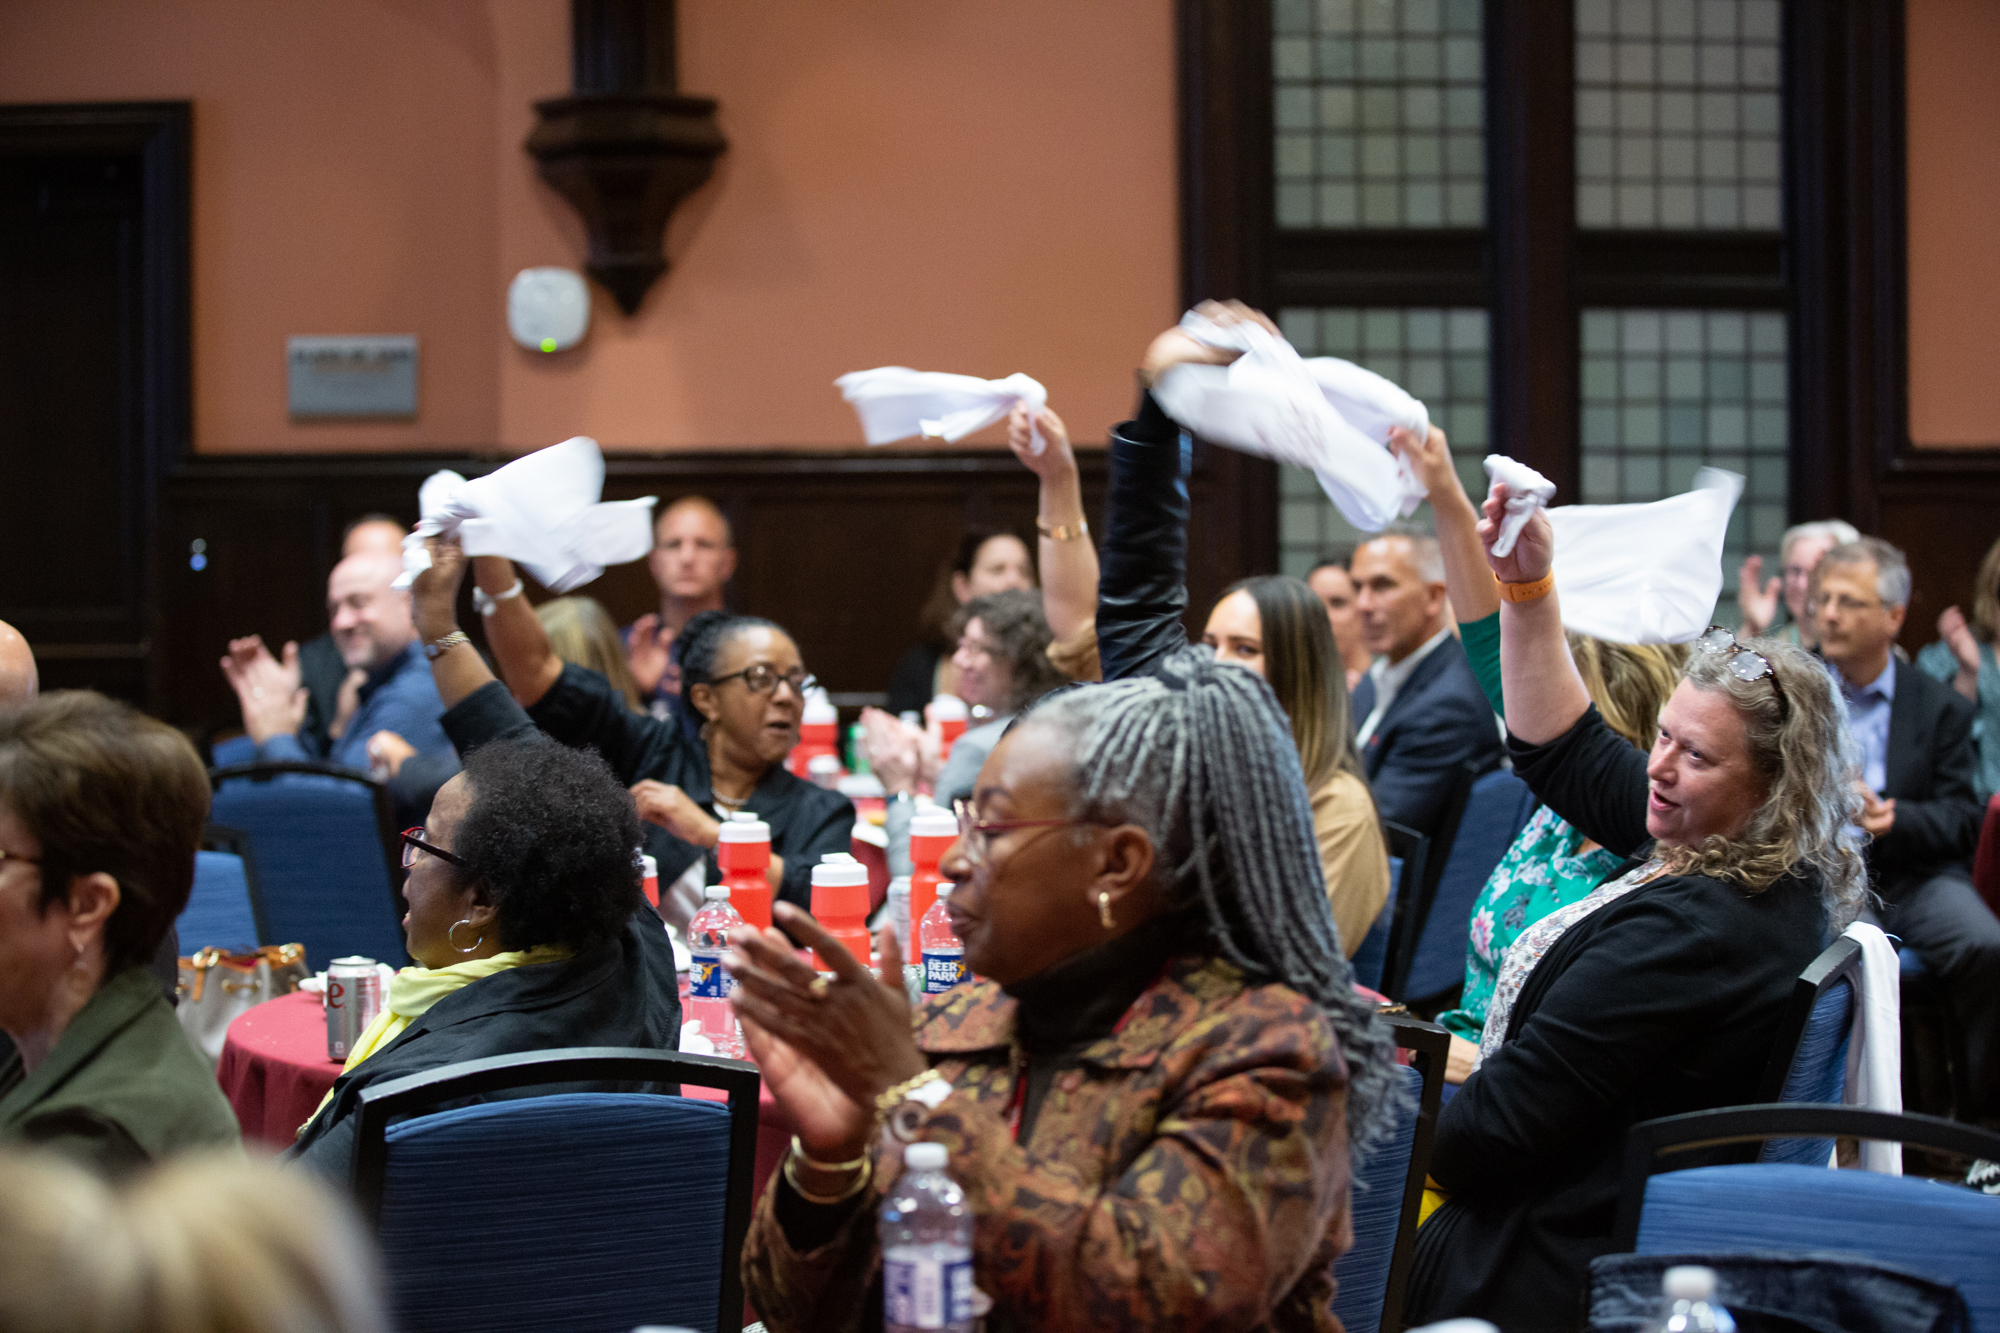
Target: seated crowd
{"type": "Point", "coordinates": [1158, 1081]}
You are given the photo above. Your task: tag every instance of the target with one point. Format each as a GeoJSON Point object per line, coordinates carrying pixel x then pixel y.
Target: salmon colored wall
{"type": "Point", "coordinates": [980, 188]}
{"type": "Point", "coordinates": [1953, 78]}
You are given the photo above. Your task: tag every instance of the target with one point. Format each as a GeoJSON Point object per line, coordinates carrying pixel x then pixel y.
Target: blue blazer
{"type": "Point", "coordinates": [1438, 722]}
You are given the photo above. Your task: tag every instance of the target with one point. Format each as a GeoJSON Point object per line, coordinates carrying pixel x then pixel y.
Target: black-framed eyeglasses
{"type": "Point", "coordinates": [976, 834]}
{"type": "Point", "coordinates": [1744, 663]}
{"type": "Point", "coordinates": [762, 679]}
{"type": "Point", "coordinates": [414, 842]}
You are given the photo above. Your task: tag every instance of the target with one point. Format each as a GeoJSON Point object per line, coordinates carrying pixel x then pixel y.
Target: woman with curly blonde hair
{"type": "Point", "coordinates": [1661, 990]}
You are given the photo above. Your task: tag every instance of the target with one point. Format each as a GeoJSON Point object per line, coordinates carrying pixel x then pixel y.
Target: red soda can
{"type": "Point", "coordinates": [353, 998]}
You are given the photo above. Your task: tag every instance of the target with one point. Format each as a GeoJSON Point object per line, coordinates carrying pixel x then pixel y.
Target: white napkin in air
{"type": "Point", "coordinates": [541, 511]}
{"type": "Point", "coordinates": [1329, 416]}
{"type": "Point", "coordinates": [1527, 491]}
{"type": "Point", "coordinates": [895, 402]}
{"type": "Point", "coordinates": [1645, 573]}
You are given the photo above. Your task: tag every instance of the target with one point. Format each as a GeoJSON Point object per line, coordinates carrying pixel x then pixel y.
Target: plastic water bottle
{"type": "Point", "coordinates": [944, 952]}
{"type": "Point", "coordinates": [1687, 1303]}
{"type": "Point", "coordinates": [709, 986]}
{"type": "Point", "coordinates": [926, 1247]}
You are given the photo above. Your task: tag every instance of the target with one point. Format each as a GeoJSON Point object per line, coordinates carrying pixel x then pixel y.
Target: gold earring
{"type": "Point", "coordinates": [1104, 910]}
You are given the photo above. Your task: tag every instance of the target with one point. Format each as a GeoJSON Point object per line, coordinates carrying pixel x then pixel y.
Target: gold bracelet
{"type": "Point", "coordinates": [866, 1174]}
{"type": "Point", "coordinates": [799, 1151]}
{"type": "Point", "coordinates": [896, 1096]}
{"type": "Point", "coordinates": [1063, 532]}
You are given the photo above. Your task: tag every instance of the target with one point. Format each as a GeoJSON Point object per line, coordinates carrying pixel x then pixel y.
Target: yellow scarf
{"type": "Point", "coordinates": [414, 990]}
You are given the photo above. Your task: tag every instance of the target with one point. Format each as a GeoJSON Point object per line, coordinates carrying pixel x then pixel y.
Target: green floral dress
{"type": "Point", "coordinates": [1541, 872]}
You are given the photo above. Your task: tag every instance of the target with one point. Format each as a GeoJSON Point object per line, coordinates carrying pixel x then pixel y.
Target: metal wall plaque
{"type": "Point", "coordinates": [372, 376]}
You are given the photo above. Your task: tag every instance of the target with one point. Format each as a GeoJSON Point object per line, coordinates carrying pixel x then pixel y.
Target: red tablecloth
{"type": "Point", "coordinates": [274, 1071]}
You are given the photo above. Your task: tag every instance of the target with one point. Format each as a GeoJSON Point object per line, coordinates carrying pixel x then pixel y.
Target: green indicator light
{"type": "Point", "coordinates": [548, 344]}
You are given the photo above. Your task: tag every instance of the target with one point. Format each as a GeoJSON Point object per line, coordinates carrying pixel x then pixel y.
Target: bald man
{"type": "Point", "coordinates": [332, 691]}
{"type": "Point", "coordinates": [694, 556]}
{"type": "Point", "coordinates": [377, 640]}
{"type": "Point", "coordinates": [19, 681]}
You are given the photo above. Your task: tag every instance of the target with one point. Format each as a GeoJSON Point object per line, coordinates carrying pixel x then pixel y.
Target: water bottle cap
{"type": "Point", "coordinates": [949, 708]}
{"type": "Point", "coordinates": [744, 826]}
{"type": "Point", "coordinates": [1689, 1282]}
{"type": "Point", "coordinates": [838, 870]}
{"type": "Point", "coordinates": [649, 866]}
{"type": "Point", "coordinates": [822, 763]}
{"type": "Point", "coordinates": [926, 1156]}
{"type": "Point", "coordinates": [716, 893]}
{"type": "Point", "coordinates": [819, 711]}
{"type": "Point", "coordinates": [944, 889]}
{"type": "Point", "coordinates": [933, 823]}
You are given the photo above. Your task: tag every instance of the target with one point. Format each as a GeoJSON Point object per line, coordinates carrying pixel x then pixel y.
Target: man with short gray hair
{"type": "Point", "coordinates": [1798, 553]}
{"type": "Point", "coordinates": [1916, 786]}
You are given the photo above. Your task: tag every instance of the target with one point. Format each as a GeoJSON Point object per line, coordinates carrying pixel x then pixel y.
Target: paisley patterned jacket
{"type": "Point", "coordinates": [1191, 1172]}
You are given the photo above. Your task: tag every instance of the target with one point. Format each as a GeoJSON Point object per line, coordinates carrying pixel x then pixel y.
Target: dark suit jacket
{"type": "Point", "coordinates": [1664, 1001]}
{"type": "Point", "coordinates": [1439, 722]}
{"type": "Point", "coordinates": [1929, 772]}
{"type": "Point", "coordinates": [582, 710]}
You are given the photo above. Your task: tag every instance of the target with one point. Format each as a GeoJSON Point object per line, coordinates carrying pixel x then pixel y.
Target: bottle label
{"type": "Point", "coordinates": [926, 1292]}
{"type": "Point", "coordinates": [707, 980]}
{"type": "Point", "coordinates": [943, 969]}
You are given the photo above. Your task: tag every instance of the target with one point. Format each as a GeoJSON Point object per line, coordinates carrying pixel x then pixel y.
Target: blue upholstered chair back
{"type": "Point", "coordinates": [218, 912]}
{"type": "Point", "coordinates": [1374, 951]}
{"type": "Point", "coordinates": [577, 1211]}
{"type": "Point", "coordinates": [1937, 1230]}
{"type": "Point", "coordinates": [1819, 1072]}
{"type": "Point", "coordinates": [321, 866]}
{"type": "Point", "coordinates": [1495, 813]}
{"type": "Point", "coordinates": [1362, 1274]}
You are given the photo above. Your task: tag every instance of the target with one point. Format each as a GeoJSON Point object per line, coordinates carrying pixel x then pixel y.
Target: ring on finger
{"type": "Point", "coordinates": [818, 987]}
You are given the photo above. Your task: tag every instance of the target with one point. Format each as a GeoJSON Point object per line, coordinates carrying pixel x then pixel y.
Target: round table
{"type": "Point", "coordinates": [274, 1071]}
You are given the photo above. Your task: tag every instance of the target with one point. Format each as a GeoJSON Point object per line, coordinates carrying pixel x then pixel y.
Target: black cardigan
{"type": "Point", "coordinates": [1666, 1000]}
{"type": "Point", "coordinates": [582, 709]}
{"type": "Point", "coordinates": [622, 992]}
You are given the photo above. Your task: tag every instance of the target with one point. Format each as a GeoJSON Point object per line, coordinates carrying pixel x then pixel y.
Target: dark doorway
{"type": "Point", "coordinates": [94, 338]}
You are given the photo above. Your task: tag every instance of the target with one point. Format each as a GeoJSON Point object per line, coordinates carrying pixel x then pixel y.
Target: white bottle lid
{"type": "Point", "coordinates": [649, 868]}
{"type": "Point", "coordinates": [1689, 1282]}
{"type": "Point", "coordinates": [716, 893]}
{"type": "Point", "coordinates": [839, 869]}
{"type": "Point", "coordinates": [899, 887]}
{"type": "Point", "coordinates": [822, 763]}
{"type": "Point", "coordinates": [926, 1156]}
{"type": "Point", "coordinates": [819, 710]}
{"type": "Point", "coordinates": [948, 708]}
{"type": "Point", "coordinates": [944, 889]}
{"type": "Point", "coordinates": [744, 826]}
{"type": "Point", "coordinates": [933, 823]}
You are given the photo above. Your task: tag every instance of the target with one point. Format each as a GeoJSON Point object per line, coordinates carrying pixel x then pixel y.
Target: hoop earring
{"type": "Point", "coordinates": [451, 937]}
{"type": "Point", "coordinates": [1104, 910]}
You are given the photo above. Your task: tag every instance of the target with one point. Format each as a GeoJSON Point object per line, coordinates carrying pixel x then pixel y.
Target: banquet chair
{"type": "Point", "coordinates": [1408, 851]}
{"type": "Point", "coordinates": [1928, 1227]}
{"type": "Point", "coordinates": [1427, 960]}
{"type": "Point", "coordinates": [1809, 1058]}
{"type": "Point", "coordinates": [224, 908]}
{"type": "Point", "coordinates": [570, 1210]}
{"type": "Point", "coordinates": [329, 866]}
{"type": "Point", "coordinates": [1389, 1189]}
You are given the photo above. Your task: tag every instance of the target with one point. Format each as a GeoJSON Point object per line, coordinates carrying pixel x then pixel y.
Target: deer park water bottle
{"type": "Point", "coordinates": [926, 1230]}
{"type": "Point", "coordinates": [1687, 1303]}
{"type": "Point", "coordinates": [709, 986]}
{"type": "Point", "coordinates": [943, 952]}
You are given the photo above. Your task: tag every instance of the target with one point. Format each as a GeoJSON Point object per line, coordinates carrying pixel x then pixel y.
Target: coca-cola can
{"type": "Point", "coordinates": [353, 998]}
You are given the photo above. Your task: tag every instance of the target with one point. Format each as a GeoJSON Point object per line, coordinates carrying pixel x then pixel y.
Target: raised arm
{"type": "Point", "coordinates": [1065, 556]}
{"type": "Point", "coordinates": [1545, 695]}
{"type": "Point", "coordinates": [515, 634]}
{"type": "Point", "coordinates": [1467, 580]}
{"type": "Point", "coordinates": [459, 670]}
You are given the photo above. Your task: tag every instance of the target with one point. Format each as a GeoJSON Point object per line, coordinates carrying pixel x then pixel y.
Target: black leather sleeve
{"type": "Point", "coordinates": [1142, 586]}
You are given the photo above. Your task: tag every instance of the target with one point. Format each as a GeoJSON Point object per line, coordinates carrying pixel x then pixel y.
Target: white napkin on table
{"type": "Point", "coordinates": [1645, 573]}
{"type": "Point", "coordinates": [541, 511]}
{"type": "Point", "coordinates": [1329, 416]}
{"type": "Point", "coordinates": [895, 402]}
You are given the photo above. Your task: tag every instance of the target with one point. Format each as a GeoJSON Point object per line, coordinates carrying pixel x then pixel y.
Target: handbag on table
{"type": "Point", "coordinates": [218, 984]}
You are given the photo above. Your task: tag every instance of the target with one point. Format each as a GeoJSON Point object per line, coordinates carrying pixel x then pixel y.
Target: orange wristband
{"type": "Point", "coordinates": [1527, 592]}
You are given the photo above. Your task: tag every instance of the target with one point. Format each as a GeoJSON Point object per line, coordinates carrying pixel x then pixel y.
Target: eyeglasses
{"type": "Point", "coordinates": [1844, 604]}
{"type": "Point", "coordinates": [761, 679]}
{"type": "Point", "coordinates": [1743, 663]}
{"type": "Point", "coordinates": [6, 856]}
{"type": "Point", "coordinates": [976, 834]}
{"type": "Point", "coordinates": [414, 842]}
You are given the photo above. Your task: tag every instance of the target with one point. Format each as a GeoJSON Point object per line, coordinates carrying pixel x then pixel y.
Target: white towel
{"type": "Point", "coordinates": [1329, 416]}
{"type": "Point", "coordinates": [542, 511]}
{"type": "Point", "coordinates": [1527, 491]}
{"type": "Point", "coordinates": [1645, 573]}
{"type": "Point", "coordinates": [895, 402]}
{"type": "Point", "coordinates": [1875, 1042]}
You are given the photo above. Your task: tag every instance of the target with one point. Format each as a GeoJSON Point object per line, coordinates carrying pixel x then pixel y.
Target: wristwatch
{"type": "Point", "coordinates": [444, 645]}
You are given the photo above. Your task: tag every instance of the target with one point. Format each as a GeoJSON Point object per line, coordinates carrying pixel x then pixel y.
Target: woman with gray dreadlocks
{"type": "Point", "coordinates": [1150, 1088]}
